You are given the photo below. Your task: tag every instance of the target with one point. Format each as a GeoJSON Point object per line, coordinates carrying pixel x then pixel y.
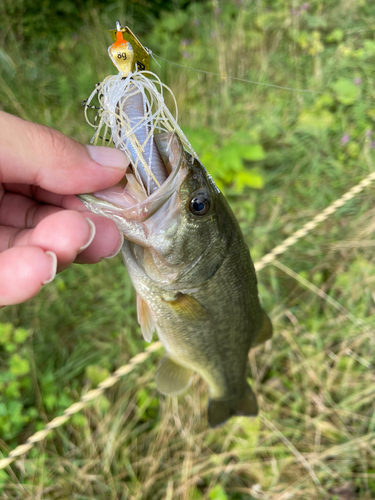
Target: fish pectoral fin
{"type": "Point", "coordinates": [145, 319]}
{"type": "Point", "coordinates": [189, 308]}
{"type": "Point", "coordinates": [265, 332]}
{"type": "Point", "coordinates": [172, 378]}
{"type": "Point", "coordinates": [220, 410]}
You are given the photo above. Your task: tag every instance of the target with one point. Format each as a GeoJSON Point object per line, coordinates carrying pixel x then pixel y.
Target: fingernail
{"type": "Point", "coordinates": [108, 157]}
{"type": "Point", "coordinates": [91, 237]}
{"type": "Point", "coordinates": [118, 249]}
{"type": "Point", "coordinates": [54, 267]}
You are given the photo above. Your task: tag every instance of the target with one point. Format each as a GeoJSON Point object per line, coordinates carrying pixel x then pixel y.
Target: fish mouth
{"type": "Point", "coordinates": [128, 200]}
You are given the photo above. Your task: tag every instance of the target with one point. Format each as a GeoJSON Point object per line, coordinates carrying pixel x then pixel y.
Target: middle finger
{"type": "Point", "coordinates": [37, 193]}
{"type": "Point", "coordinates": [65, 233]}
{"type": "Point", "coordinates": [23, 212]}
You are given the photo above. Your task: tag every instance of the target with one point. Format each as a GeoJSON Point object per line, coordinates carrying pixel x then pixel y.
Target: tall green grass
{"type": "Point", "coordinates": [280, 156]}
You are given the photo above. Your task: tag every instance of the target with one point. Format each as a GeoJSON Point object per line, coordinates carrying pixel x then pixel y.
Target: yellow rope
{"type": "Point", "coordinates": [141, 357]}
{"type": "Point", "coordinates": [309, 226]}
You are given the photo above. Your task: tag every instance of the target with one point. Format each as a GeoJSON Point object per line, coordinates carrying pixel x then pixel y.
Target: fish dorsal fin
{"type": "Point", "coordinates": [265, 332]}
{"type": "Point", "coordinates": [145, 319]}
{"type": "Point", "coordinates": [189, 308]}
{"type": "Point", "coordinates": [172, 378]}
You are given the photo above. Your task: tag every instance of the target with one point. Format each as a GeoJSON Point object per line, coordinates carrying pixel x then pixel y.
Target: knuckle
{"type": "Point", "coordinates": [54, 142]}
{"type": "Point", "coordinates": [52, 145]}
{"type": "Point", "coordinates": [30, 216]}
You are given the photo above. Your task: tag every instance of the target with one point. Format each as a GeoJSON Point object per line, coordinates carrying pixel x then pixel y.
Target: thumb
{"type": "Point", "coordinates": [38, 155]}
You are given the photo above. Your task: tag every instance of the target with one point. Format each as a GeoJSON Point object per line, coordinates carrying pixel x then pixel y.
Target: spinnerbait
{"type": "Point", "coordinates": [132, 109]}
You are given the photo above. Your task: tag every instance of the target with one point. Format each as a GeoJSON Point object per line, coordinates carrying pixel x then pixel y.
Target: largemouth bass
{"type": "Point", "coordinates": [194, 278]}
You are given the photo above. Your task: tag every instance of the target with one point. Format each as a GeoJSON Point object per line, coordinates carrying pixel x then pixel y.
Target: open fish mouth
{"type": "Point", "coordinates": [128, 200]}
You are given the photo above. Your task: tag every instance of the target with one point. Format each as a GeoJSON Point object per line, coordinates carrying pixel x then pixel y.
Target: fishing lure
{"type": "Point", "coordinates": [132, 110]}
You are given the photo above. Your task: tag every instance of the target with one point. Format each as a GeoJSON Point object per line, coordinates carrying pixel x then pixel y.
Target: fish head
{"type": "Point", "coordinates": [181, 232]}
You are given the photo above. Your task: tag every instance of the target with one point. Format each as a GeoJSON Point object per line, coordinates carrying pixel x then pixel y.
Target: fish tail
{"type": "Point", "coordinates": [220, 410]}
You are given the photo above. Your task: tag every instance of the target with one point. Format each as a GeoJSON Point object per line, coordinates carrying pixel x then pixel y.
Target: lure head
{"type": "Point", "coordinates": [127, 53]}
{"type": "Point", "coordinates": [122, 55]}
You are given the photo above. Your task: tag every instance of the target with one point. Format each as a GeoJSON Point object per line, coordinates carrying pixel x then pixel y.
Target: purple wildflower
{"type": "Point", "coordinates": [372, 144]}
{"type": "Point", "coordinates": [357, 81]}
{"type": "Point", "coordinates": [345, 139]}
{"type": "Point", "coordinates": [298, 12]}
{"type": "Point", "coordinates": [185, 54]}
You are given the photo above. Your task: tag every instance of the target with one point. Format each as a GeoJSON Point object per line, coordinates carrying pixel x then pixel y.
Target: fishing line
{"type": "Point", "coordinates": [245, 80]}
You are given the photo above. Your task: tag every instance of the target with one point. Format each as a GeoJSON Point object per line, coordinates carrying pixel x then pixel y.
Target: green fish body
{"type": "Point", "coordinates": [195, 280]}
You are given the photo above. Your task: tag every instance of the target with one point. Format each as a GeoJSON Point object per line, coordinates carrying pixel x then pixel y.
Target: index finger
{"type": "Point", "coordinates": [38, 155]}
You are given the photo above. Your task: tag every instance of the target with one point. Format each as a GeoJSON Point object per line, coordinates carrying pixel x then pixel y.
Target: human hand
{"type": "Point", "coordinates": [43, 226]}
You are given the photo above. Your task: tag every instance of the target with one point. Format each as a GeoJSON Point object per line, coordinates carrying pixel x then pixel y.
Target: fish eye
{"type": "Point", "coordinates": [200, 203]}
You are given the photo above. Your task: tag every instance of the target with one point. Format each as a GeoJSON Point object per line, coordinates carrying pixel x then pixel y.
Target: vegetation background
{"type": "Point", "coordinates": [280, 156]}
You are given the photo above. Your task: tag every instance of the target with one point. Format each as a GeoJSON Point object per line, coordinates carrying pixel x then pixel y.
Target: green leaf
{"type": "Point", "coordinates": [96, 374]}
{"type": "Point", "coordinates": [346, 90]}
{"type": "Point", "coordinates": [369, 46]}
{"type": "Point", "coordinates": [217, 493]}
{"type": "Point", "coordinates": [252, 153]}
{"type": "Point", "coordinates": [60, 284]}
{"type": "Point", "coordinates": [230, 157]}
{"type": "Point", "coordinates": [353, 149]}
{"type": "Point", "coordinates": [221, 172]}
{"type": "Point", "coordinates": [32, 413]}
{"type": "Point", "coordinates": [4, 478]}
{"type": "Point", "coordinates": [201, 139]}
{"type": "Point", "coordinates": [5, 332]}
{"type": "Point", "coordinates": [18, 366]}
{"type": "Point", "coordinates": [324, 101]}
{"type": "Point", "coordinates": [10, 347]}
{"type": "Point", "coordinates": [13, 390]}
{"type": "Point", "coordinates": [20, 335]}
{"type": "Point", "coordinates": [63, 400]}
{"type": "Point", "coordinates": [3, 409]}
{"type": "Point", "coordinates": [245, 137]}
{"type": "Point", "coordinates": [49, 401]}
{"type": "Point", "coordinates": [248, 178]}
{"type": "Point", "coordinates": [6, 376]}
{"type": "Point", "coordinates": [336, 35]}
{"type": "Point", "coordinates": [78, 420]}
{"type": "Point", "coordinates": [315, 121]}
{"type": "Point", "coordinates": [195, 494]}
{"type": "Point", "coordinates": [104, 404]}
{"type": "Point", "coordinates": [7, 63]}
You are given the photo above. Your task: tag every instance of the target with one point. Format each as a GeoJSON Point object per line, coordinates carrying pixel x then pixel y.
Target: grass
{"type": "Point", "coordinates": [315, 380]}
